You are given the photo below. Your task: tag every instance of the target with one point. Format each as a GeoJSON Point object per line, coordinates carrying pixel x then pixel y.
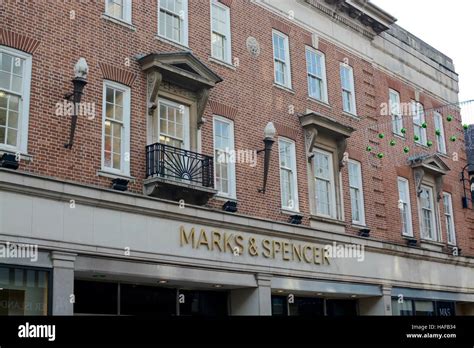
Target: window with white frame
{"type": "Point", "coordinates": [348, 89]}
{"type": "Point", "coordinates": [173, 20]}
{"type": "Point", "coordinates": [281, 59]}
{"type": "Point", "coordinates": [438, 120]}
{"type": "Point", "coordinates": [428, 217]}
{"type": "Point", "coordinates": [172, 125]}
{"type": "Point", "coordinates": [357, 193]}
{"type": "Point", "coordinates": [220, 26]}
{"type": "Point", "coordinates": [120, 9]}
{"type": "Point", "coordinates": [224, 157]}
{"type": "Point", "coordinates": [288, 178]}
{"type": "Point", "coordinates": [418, 114]}
{"type": "Point", "coordinates": [449, 217]}
{"type": "Point", "coordinates": [15, 78]}
{"type": "Point", "coordinates": [324, 183]}
{"type": "Point", "coordinates": [316, 69]}
{"type": "Point", "coordinates": [395, 111]}
{"type": "Point", "coordinates": [116, 128]}
{"type": "Point", "coordinates": [405, 207]}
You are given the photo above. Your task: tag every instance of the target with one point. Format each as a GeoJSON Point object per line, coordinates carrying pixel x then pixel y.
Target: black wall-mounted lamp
{"type": "Point", "coordinates": [269, 139]}
{"type": "Point", "coordinates": [469, 179]}
{"type": "Point", "coordinates": [79, 82]}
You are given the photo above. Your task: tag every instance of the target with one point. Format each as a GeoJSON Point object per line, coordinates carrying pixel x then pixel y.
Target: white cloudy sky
{"type": "Point", "coordinates": [446, 25]}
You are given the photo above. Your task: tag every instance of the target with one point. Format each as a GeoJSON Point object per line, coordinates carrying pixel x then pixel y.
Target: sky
{"type": "Point", "coordinates": [448, 26]}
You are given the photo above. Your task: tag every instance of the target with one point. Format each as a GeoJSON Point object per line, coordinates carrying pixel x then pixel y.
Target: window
{"type": "Point", "coordinates": [357, 196]}
{"type": "Point", "coordinates": [324, 178]}
{"type": "Point", "coordinates": [220, 26]}
{"type": "Point", "coordinates": [428, 220]}
{"type": "Point", "coordinates": [438, 120]}
{"type": "Point", "coordinates": [395, 111]}
{"type": "Point", "coordinates": [281, 58]}
{"type": "Point", "coordinates": [120, 9]}
{"type": "Point", "coordinates": [348, 92]}
{"type": "Point", "coordinates": [224, 157]}
{"type": "Point", "coordinates": [173, 124]}
{"type": "Point", "coordinates": [288, 181]}
{"type": "Point", "coordinates": [173, 20]}
{"type": "Point", "coordinates": [448, 214]}
{"type": "Point", "coordinates": [418, 114]}
{"type": "Point", "coordinates": [404, 207]}
{"type": "Point", "coordinates": [316, 68]}
{"type": "Point", "coordinates": [116, 128]}
{"type": "Point", "coordinates": [15, 75]}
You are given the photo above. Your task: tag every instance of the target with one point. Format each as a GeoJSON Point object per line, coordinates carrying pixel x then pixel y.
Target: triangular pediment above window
{"type": "Point", "coordinates": [182, 69]}
{"type": "Point", "coordinates": [431, 163]}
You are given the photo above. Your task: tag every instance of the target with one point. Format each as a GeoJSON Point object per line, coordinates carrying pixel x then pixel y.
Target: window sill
{"type": "Point", "coordinates": [222, 63]}
{"type": "Point", "coordinates": [112, 175]}
{"type": "Point", "coordinates": [426, 147]}
{"type": "Point", "coordinates": [359, 226]}
{"type": "Point", "coordinates": [290, 212]}
{"type": "Point", "coordinates": [225, 198]}
{"type": "Point", "coordinates": [173, 43]}
{"type": "Point", "coordinates": [327, 224]}
{"type": "Point", "coordinates": [320, 102]}
{"type": "Point", "coordinates": [399, 136]}
{"type": "Point", "coordinates": [284, 88]}
{"type": "Point", "coordinates": [445, 155]}
{"type": "Point", "coordinates": [119, 22]}
{"type": "Point", "coordinates": [23, 156]}
{"type": "Point", "coordinates": [348, 114]}
{"type": "Point", "coordinates": [431, 245]}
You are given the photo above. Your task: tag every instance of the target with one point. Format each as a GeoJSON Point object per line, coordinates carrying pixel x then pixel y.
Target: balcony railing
{"type": "Point", "coordinates": [180, 165]}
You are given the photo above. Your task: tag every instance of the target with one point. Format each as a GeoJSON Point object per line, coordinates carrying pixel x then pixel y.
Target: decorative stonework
{"type": "Point", "coordinates": [111, 72]}
{"type": "Point", "coordinates": [18, 41]}
{"type": "Point", "coordinates": [253, 46]}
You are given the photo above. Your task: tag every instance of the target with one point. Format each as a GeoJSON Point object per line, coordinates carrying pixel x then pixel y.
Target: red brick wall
{"type": "Point", "coordinates": [247, 95]}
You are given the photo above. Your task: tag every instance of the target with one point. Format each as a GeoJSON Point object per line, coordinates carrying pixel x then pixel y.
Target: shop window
{"type": "Point", "coordinates": [24, 291]}
{"type": "Point", "coordinates": [307, 307]}
{"type": "Point", "coordinates": [203, 303]}
{"type": "Point", "coordinates": [402, 308]}
{"type": "Point", "coordinates": [95, 298]}
{"type": "Point", "coordinates": [279, 306]}
{"type": "Point", "coordinates": [147, 300]}
{"type": "Point", "coordinates": [338, 308]}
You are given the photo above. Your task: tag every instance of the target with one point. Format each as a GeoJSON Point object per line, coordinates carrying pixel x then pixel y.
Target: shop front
{"type": "Point", "coordinates": [116, 254]}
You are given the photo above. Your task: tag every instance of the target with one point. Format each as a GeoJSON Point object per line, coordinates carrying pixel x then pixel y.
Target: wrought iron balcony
{"type": "Point", "coordinates": [176, 174]}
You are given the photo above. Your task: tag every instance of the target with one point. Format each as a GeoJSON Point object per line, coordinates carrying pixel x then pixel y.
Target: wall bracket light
{"type": "Point", "coordinates": [269, 139]}
{"type": "Point", "coordinates": [79, 82]}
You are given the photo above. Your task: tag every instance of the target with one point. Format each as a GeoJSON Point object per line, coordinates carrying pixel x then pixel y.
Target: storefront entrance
{"type": "Point", "coordinates": [312, 307]}
{"type": "Point", "coordinates": [107, 298]}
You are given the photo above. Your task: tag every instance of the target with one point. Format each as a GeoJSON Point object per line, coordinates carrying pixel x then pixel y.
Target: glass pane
{"type": "Point", "coordinates": [117, 129]}
{"type": "Point", "coordinates": [108, 144]}
{"type": "Point", "coordinates": [109, 95]}
{"type": "Point", "coordinates": [3, 100]}
{"type": "Point", "coordinates": [12, 119]}
{"type": "Point", "coordinates": [116, 158]}
{"type": "Point", "coordinates": [109, 111]}
{"type": "Point", "coordinates": [17, 66]}
{"type": "Point", "coordinates": [2, 135]}
{"type": "Point", "coordinates": [118, 98]}
{"type": "Point", "coordinates": [118, 113]}
{"type": "Point", "coordinates": [117, 145]}
{"type": "Point", "coordinates": [14, 103]}
{"type": "Point", "coordinates": [108, 127]}
{"type": "Point", "coordinates": [3, 117]}
{"type": "Point", "coordinates": [4, 80]}
{"type": "Point", "coordinates": [17, 84]}
{"type": "Point", "coordinates": [5, 62]}
{"type": "Point", "coordinates": [108, 159]}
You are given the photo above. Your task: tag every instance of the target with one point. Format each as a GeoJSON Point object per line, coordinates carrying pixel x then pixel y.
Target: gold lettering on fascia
{"type": "Point", "coordinates": [233, 243]}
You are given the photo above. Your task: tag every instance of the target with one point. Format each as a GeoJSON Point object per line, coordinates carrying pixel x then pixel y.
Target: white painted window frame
{"type": "Point", "coordinates": [125, 165]}
{"type": "Point", "coordinates": [287, 61]}
{"type": "Point", "coordinates": [360, 189]}
{"type": "Point", "coordinates": [185, 24]}
{"type": "Point", "coordinates": [127, 11]}
{"type": "Point", "coordinates": [434, 221]}
{"type": "Point", "coordinates": [294, 176]}
{"type": "Point", "coordinates": [332, 204]}
{"type": "Point", "coordinates": [451, 239]}
{"type": "Point", "coordinates": [323, 78]}
{"type": "Point", "coordinates": [441, 139]}
{"type": "Point", "coordinates": [24, 114]}
{"type": "Point", "coordinates": [231, 168]}
{"type": "Point", "coordinates": [409, 223]}
{"type": "Point", "coordinates": [352, 90]}
{"type": "Point", "coordinates": [227, 35]}
{"type": "Point", "coordinates": [397, 117]}
{"type": "Point", "coordinates": [418, 108]}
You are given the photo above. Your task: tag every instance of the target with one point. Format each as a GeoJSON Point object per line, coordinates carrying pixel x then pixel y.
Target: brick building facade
{"type": "Point", "coordinates": [216, 64]}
